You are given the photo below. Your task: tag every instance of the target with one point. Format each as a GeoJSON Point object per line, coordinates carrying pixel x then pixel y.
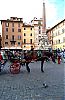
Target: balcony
{"type": "Point", "coordinates": [28, 43]}
{"type": "Point", "coordinates": [13, 40]}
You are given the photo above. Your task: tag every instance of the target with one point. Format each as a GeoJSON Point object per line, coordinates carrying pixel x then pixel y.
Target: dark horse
{"type": "Point", "coordinates": [50, 55]}
{"type": "Point", "coordinates": [45, 56]}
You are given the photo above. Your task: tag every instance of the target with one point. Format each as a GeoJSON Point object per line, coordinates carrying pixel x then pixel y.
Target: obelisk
{"type": "Point", "coordinates": [44, 19]}
{"type": "Point", "coordinates": [45, 37]}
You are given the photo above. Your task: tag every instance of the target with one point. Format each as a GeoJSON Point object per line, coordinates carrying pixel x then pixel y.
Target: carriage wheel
{"type": "Point", "coordinates": [15, 68]}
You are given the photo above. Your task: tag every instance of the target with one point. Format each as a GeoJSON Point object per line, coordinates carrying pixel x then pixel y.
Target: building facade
{"type": "Point", "coordinates": [16, 34]}
{"type": "Point", "coordinates": [50, 38]}
{"type": "Point", "coordinates": [37, 31]}
{"type": "Point", "coordinates": [57, 33]}
{"type": "Point", "coordinates": [12, 32]}
{"type": "Point", "coordinates": [28, 37]}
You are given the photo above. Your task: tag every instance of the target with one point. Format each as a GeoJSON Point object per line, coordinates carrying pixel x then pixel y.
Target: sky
{"type": "Point", "coordinates": [28, 9]}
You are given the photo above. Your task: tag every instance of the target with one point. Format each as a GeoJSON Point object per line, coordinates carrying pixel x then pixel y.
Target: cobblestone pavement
{"type": "Point", "coordinates": [29, 86]}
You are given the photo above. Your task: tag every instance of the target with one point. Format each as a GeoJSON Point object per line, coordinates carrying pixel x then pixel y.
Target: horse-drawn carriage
{"type": "Point", "coordinates": [17, 60]}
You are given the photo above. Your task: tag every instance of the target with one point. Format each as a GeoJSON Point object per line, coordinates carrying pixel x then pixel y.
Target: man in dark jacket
{"type": "Point", "coordinates": [28, 60]}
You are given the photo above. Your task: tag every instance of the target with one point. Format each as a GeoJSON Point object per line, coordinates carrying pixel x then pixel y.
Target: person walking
{"type": "Point", "coordinates": [64, 56]}
{"type": "Point", "coordinates": [28, 60]}
{"type": "Point", "coordinates": [53, 57]}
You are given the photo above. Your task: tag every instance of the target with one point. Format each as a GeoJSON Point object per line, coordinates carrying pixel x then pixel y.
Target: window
{"type": "Point", "coordinates": [63, 30]}
{"type": "Point", "coordinates": [39, 22]}
{"type": "Point", "coordinates": [39, 40]}
{"type": "Point", "coordinates": [12, 37]}
{"type": "Point", "coordinates": [53, 35]}
{"type": "Point", "coordinates": [31, 34]}
{"type": "Point", "coordinates": [24, 34]}
{"type": "Point", "coordinates": [14, 18]}
{"type": "Point", "coordinates": [7, 24]}
{"type": "Point", "coordinates": [39, 32]}
{"type": "Point", "coordinates": [6, 43]}
{"type": "Point", "coordinates": [6, 36]}
{"type": "Point", "coordinates": [18, 19]}
{"type": "Point", "coordinates": [12, 29]}
{"type": "Point", "coordinates": [58, 41]}
{"type": "Point", "coordinates": [19, 37]}
{"type": "Point", "coordinates": [31, 41]}
{"type": "Point", "coordinates": [39, 27]}
{"type": "Point", "coordinates": [6, 29]}
{"type": "Point", "coordinates": [18, 24]}
{"type": "Point", "coordinates": [63, 39]}
{"type": "Point", "coordinates": [24, 40]}
{"type": "Point", "coordinates": [58, 32]}
{"type": "Point", "coordinates": [12, 24]}
{"type": "Point", "coordinates": [24, 28]}
{"type": "Point", "coordinates": [12, 43]}
{"type": "Point", "coordinates": [31, 28]}
{"type": "Point", "coordinates": [19, 30]}
{"type": "Point", "coordinates": [36, 38]}
{"type": "Point", "coordinates": [18, 43]}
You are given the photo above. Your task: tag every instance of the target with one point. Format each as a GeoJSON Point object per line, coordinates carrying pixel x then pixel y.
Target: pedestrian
{"type": "Point", "coordinates": [61, 54]}
{"type": "Point", "coordinates": [53, 57]}
{"type": "Point", "coordinates": [28, 60]}
{"type": "Point", "coordinates": [64, 55]}
{"type": "Point", "coordinates": [59, 57]}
